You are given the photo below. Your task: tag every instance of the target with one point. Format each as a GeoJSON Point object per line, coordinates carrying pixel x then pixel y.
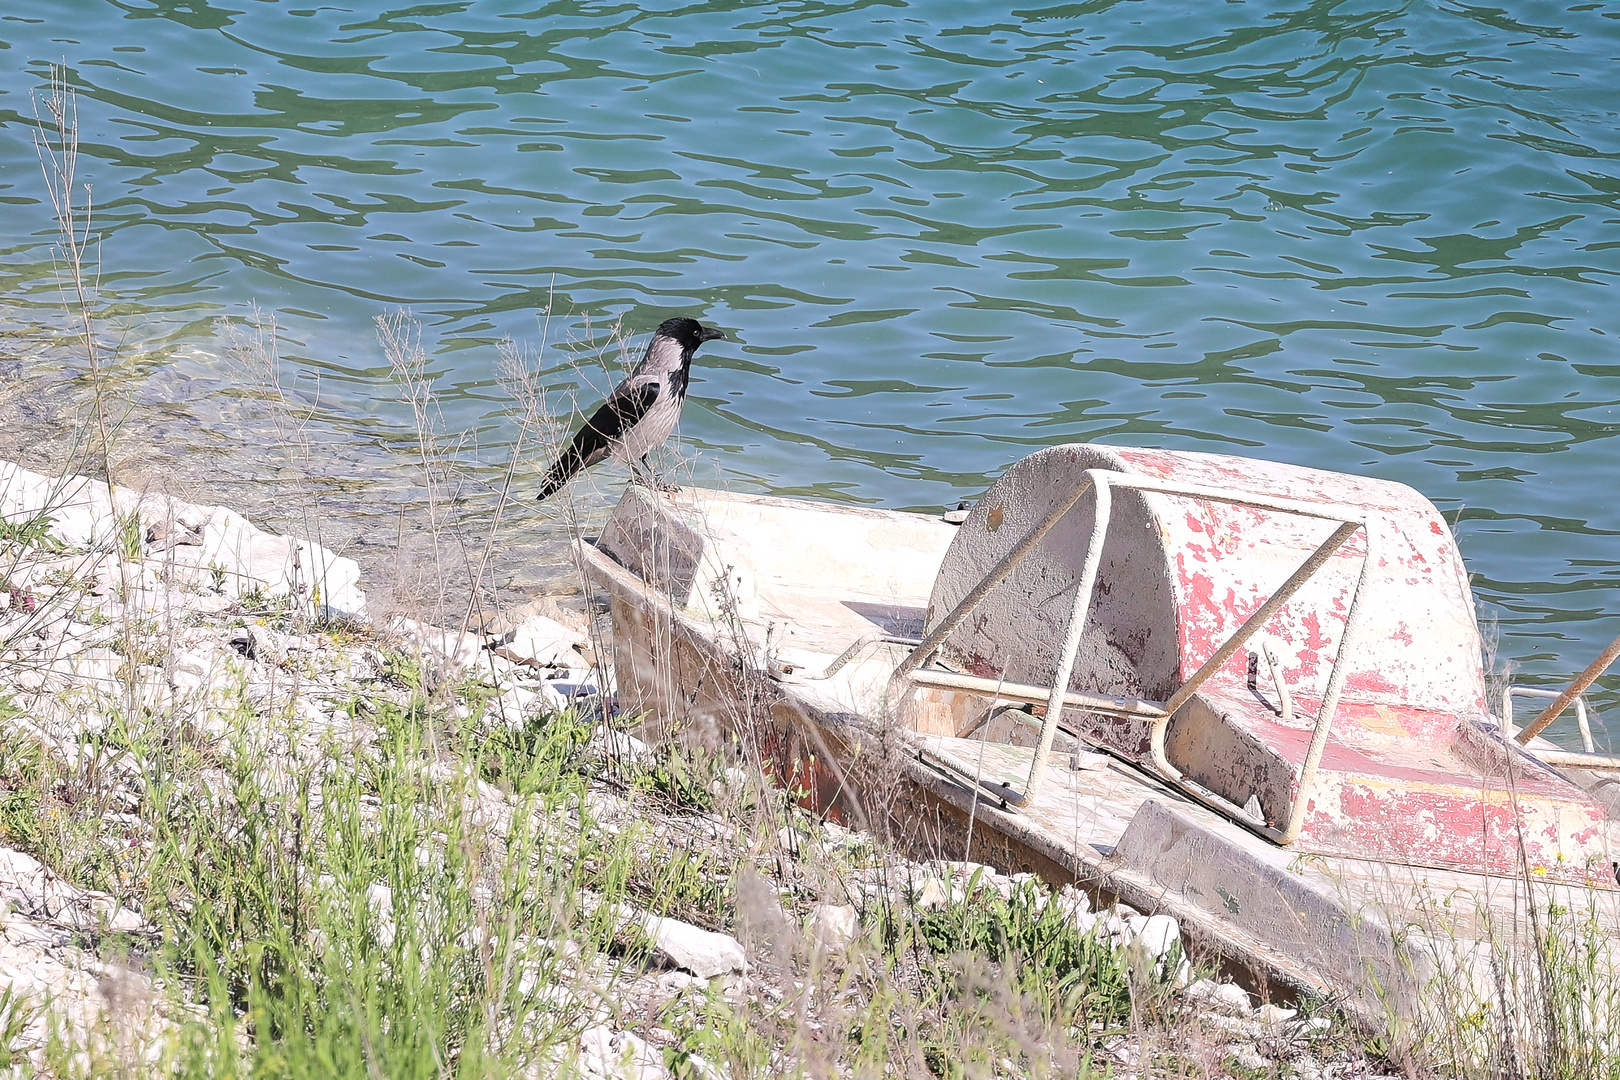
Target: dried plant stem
{"type": "Point", "coordinates": [59, 163]}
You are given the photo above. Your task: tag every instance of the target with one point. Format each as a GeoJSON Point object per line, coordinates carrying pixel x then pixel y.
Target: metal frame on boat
{"type": "Point", "coordinates": [1057, 697]}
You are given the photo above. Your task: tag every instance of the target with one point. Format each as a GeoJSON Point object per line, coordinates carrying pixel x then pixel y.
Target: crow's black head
{"type": "Point", "coordinates": [689, 333]}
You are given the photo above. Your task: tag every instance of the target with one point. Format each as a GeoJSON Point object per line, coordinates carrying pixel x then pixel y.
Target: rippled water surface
{"type": "Point", "coordinates": [1371, 237]}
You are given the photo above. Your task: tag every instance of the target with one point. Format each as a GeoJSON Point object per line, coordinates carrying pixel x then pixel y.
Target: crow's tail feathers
{"type": "Point", "coordinates": [560, 473]}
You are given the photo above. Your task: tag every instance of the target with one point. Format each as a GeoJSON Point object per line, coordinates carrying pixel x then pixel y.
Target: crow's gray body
{"type": "Point", "coordinates": [641, 412]}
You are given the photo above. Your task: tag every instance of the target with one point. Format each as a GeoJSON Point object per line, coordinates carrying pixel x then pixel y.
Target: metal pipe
{"type": "Point", "coordinates": [1286, 710]}
{"type": "Point", "coordinates": [1249, 628]}
{"type": "Point", "coordinates": [1330, 699]}
{"type": "Point", "coordinates": [1079, 616]}
{"type": "Point", "coordinates": [925, 650]}
{"type": "Point", "coordinates": [1037, 695]}
{"type": "Point", "coordinates": [1570, 759]}
{"type": "Point", "coordinates": [860, 644]}
{"type": "Point", "coordinates": [1571, 692]}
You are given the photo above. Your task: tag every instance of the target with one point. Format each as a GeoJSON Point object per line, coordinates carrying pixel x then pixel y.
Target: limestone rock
{"type": "Point", "coordinates": [619, 745]}
{"type": "Point", "coordinates": [691, 948]}
{"type": "Point", "coordinates": [1274, 1015]}
{"type": "Point", "coordinates": [618, 1055]}
{"type": "Point", "coordinates": [835, 927]}
{"type": "Point", "coordinates": [1246, 1055]}
{"type": "Point", "coordinates": [453, 652]}
{"type": "Point", "coordinates": [538, 641]}
{"type": "Point", "coordinates": [1225, 997]}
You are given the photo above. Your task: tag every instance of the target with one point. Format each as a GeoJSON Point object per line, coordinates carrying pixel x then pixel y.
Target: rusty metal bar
{"type": "Point", "coordinates": [1571, 692]}
{"type": "Point", "coordinates": [1037, 695]}
{"type": "Point", "coordinates": [1079, 615]}
{"type": "Point", "coordinates": [1582, 720]}
{"type": "Point", "coordinates": [930, 644]}
{"type": "Point", "coordinates": [1330, 698]}
{"type": "Point", "coordinates": [1263, 615]}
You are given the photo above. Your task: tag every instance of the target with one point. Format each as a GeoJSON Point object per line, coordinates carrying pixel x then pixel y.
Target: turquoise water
{"type": "Point", "coordinates": [1372, 237]}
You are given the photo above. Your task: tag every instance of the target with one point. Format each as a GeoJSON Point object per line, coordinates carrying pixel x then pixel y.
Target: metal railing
{"type": "Point", "coordinates": [1589, 758]}
{"type": "Point", "coordinates": [1101, 483]}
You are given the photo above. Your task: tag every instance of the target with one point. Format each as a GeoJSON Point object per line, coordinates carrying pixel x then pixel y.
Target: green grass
{"type": "Point", "coordinates": [34, 533]}
{"type": "Point", "coordinates": [359, 921]}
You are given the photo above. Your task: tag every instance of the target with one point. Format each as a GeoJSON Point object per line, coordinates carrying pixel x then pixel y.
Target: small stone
{"type": "Point", "coordinates": [1225, 997]}
{"type": "Point", "coordinates": [835, 926]}
{"type": "Point", "coordinates": [930, 894]}
{"type": "Point", "coordinates": [1249, 1057]}
{"type": "Point", "coordinates": [1274, 1015]}
{"type": "Point", "coordinates": [618, 1055]}
{"type": "Point", "coordinates": [671, 983]}
{"type": "Point", "coordinates": [1157, 935]}
{"type": "Point", "coordinates": [453, 650]}
{"type": "Point", "coordinates": [619, 744]}
{"type": "Point", "coordinates": [733, 781]}
{"type": "Point", "coordinates": [538, 641]}
{"type": "Point", "coordinates": [1072, 902]}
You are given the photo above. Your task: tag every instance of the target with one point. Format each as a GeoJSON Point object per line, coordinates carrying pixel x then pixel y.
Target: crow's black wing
{"type": "Point", "coordinates": [592, 442]}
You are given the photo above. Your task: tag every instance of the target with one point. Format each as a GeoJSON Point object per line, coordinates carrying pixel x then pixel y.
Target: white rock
{"type": "Point", "coordinates": [381, 899]}
{"type": "Point", "coordinates": [929, 894]}
{"type": "Point", "coordinates": [541, 642]}
{"type": "Point", "coordinates": [574, 688]}
{"type": "Point", "coordinates": [691, 948]}
{"type": "Point", "coordinates": [455, 650]}
{"type": "Point", "coordinates": [1157, 935]}
{"type": "Point", "coordinates": [1115, 927]}
{"type": "Point", "coordinates": [618, 1055]}
{"type": "Point", "coordinates": [1227, 997]}
{"type": "Point", "coordinates": [619, 744]}
{"type": "Point", "coordinates": [1246, 1055]}
{"type": "Point", "coordinates": [733, 781]}
{"type": "Point", "coordinates": [1072, 902]}
{"type": "Point", "coordinates": [1274, 1015]}
{"type": "Point", "coordinates": [834, 926]}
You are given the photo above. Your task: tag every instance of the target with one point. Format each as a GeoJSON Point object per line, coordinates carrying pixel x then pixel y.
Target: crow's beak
{"type": "Point", "coordinates": [711, 334]}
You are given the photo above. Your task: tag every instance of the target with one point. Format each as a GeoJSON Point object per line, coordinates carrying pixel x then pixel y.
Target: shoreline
{"type": "Point", "coordinates": [144, 638]}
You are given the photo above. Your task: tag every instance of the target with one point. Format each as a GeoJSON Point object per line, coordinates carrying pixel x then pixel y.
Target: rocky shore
{"type": "Point", "coordinates": [212, 749]}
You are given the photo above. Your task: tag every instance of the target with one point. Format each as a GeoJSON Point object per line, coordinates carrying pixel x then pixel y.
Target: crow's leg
{"type": "Point", "coordinates": [649, 477]}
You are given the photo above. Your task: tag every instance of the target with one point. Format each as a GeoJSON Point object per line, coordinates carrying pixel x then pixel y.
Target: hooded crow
{"type": "Point", "coordinates": [641, 412]}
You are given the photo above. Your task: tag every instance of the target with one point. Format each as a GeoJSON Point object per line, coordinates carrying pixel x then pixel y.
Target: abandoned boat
{"type": "Point", "coordinates": [1243, 693]}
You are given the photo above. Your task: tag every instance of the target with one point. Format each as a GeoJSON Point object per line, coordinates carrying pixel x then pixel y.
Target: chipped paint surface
{"type": "Point", "coordinates": [1404, 776]}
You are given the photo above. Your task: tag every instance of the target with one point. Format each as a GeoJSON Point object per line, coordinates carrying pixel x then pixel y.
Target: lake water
{"type": "Point", "coordinates": [1370, 237]}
